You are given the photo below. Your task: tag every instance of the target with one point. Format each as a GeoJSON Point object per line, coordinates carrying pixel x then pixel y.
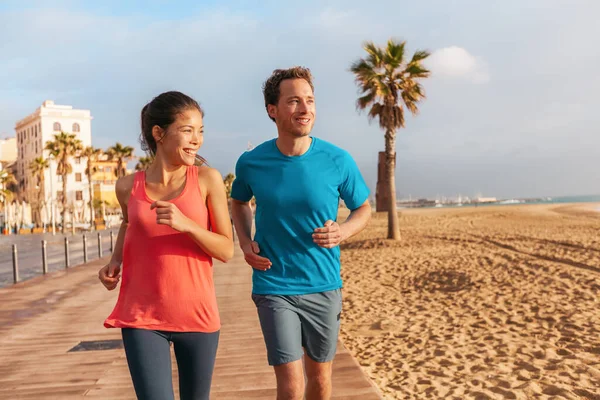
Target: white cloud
{"type": "Point", "coordinates": [332, 18]}
{"type": "Point", "coordinates": [457, 63]}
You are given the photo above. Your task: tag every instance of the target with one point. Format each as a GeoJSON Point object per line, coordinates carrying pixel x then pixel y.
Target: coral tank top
{"type": "Point", "coordinates": [167, 280]}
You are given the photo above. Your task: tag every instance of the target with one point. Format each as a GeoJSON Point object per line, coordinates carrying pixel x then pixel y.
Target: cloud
{"type": "Point", "coordinates": [457, 63]}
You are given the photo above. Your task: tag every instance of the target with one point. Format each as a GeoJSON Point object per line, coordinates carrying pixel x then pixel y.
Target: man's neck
{"type": "Point", "coordinates": [293, 146]}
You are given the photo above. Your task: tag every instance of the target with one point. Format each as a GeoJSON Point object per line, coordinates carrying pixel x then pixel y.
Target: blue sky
{"type": "Point", "coordinates": [511, 107]}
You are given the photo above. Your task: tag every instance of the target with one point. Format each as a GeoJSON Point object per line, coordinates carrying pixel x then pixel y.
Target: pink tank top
{"type": "Point", "coordinates": [167, 280]}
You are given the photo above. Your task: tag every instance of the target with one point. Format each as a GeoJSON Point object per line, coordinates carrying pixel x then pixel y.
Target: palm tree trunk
{"type": "Point", "coordinates": [64, 202]}
{"type": "Point", "coordinates": [40, 205]}
{"type": "Point", "coordinates": [91, 199]}
{"type": "Point", "coordinates": [390, 166]}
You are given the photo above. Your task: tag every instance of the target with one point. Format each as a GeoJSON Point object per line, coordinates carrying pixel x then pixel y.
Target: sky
{"type": "Point", "coordinates": [511, 108]}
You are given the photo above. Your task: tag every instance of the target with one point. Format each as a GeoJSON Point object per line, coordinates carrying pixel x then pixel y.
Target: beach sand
{"type": "Point", "coordinates": [477, 303]}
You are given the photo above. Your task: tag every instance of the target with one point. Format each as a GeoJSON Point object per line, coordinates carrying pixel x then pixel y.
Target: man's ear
{"type": "Point", "coordinates": [272, 110]}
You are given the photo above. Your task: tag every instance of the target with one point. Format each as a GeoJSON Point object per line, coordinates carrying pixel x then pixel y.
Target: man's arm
{"type": "Point", "coordinates": [356, 221]}
{"type": "Point", "coordinates": [241, 213]}
{"type": "Point", "coordinates": [332, 233]}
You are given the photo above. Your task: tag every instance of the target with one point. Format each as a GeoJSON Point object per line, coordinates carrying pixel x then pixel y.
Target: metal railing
{"type": "Point", "coordinates": [68, 253]}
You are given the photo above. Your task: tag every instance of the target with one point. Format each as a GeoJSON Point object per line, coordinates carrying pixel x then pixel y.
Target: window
{"type": "Point", "coordinates": [78, 177]}
{"type": "Point", "coordinates": [79, 195]}
{"type": "Point", "coordinates": [107, 169]}
{"type": "Point", "coordinates": [77, 160]}
{"type": "Point", "coordinates": [56, 127]}
{"type": "Point", "coordinates": [76, 127]}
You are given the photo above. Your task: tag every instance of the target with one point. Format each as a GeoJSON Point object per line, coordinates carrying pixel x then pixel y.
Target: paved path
{"type": "Point", "coordinates": [45, 317]}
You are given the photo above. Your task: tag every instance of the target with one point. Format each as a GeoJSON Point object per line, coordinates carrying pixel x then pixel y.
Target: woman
{"type": "Point", "coordinates": [175, 221]}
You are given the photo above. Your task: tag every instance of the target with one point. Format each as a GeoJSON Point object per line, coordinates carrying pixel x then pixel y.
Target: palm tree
{"type": "Point", "coordinates": [92, 154]}
{"type": "Point", "coordinates": [122, 154]}
{"type": "Point", "coordinates": [7, 181]}
{"type": "Point", "coordinates": [143, 163]}
{"type": "Point", "coordinates": [387, 83]}
{"type": "Point", "coordinates": [228, 181]}
{"type": "Point", "coordinates": [64, 146]}
{"type": "Point", "coordinates": [38, 168]}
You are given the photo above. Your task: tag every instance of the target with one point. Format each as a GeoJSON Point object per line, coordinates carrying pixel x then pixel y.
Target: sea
{"type": "Point", "coordinates": [521, 201]}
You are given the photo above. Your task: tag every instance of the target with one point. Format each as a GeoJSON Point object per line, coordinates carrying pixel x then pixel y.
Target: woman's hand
{"type": "Point", "coordinates": [168, 214]}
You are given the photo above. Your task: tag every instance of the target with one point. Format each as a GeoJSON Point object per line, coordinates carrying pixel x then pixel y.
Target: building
{"type": "Point", "coordinates": [8, 150]}
{"type": "Point", "coordinates": [104, 179]}
{"type": "Point", "coordinates": [32, 134]}
{"type": "Point", "coordinates": [485, 200]}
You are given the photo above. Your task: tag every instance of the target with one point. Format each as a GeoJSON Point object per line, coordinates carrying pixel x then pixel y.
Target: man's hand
{"type": "Point", "coordinates": [329, 236]}
{"type": "Point", "coordinates": [109, 275]}
{"type": "Point", "coordinates": [168, 214]}
{"type": "Point", "coordinates": [251, 256]}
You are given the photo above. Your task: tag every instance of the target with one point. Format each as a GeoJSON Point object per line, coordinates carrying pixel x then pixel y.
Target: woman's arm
{"type": "Point", "coordinates": [217, 243]}
{"type": "Point", "coordinates": [109, 274]}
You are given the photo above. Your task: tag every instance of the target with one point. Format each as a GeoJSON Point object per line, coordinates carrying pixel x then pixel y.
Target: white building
{"type": "Point", "coordinates": [33, 132]}
{"type": "Point", "coordinates": [8, 150]}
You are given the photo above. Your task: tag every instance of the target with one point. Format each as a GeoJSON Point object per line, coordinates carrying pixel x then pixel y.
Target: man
{"type": "Point", "coordinates": [297, 181]}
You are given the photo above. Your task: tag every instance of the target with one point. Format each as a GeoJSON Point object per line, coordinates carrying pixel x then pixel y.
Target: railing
{"type": "Point", "coordinates": [71, 256]}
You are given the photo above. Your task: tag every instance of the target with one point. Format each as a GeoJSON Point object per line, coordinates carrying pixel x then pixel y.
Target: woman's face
{"type": "Point", "coordinates": [183, 138]}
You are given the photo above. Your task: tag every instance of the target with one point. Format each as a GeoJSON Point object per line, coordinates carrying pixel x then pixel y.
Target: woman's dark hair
{"type": "Point", "coordinates": [162, 111]}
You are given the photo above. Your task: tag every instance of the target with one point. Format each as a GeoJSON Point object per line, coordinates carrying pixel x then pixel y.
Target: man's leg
{"type": "Point", "coordinates": [280, 325]}
{"type": "Point", "coordinates": [318, 386]}
{"type": "Point", "coordinates": [320, 316]}
{"type": "Point", "coordinates": [290, 381]}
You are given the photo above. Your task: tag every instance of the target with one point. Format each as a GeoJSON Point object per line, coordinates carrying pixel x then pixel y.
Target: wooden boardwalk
{"type": "Point", "coordinates": [42, 319]}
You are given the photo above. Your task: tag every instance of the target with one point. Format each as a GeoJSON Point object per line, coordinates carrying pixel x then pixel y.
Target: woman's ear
{"type": "Point", "coordinates": [158, 133]}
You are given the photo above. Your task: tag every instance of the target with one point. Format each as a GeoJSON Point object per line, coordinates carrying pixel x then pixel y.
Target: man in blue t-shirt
{"type": "Point", "coordinates": [297, 181]}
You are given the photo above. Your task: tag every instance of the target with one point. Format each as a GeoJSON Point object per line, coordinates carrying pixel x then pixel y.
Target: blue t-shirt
{"type": "Point", "coordinates": [294, 195]}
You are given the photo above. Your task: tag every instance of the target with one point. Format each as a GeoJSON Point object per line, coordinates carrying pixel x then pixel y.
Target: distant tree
{"type": "Point", "coordinates": [143, 163]}
{"type": "Point", "coordinates": [388, 83]}
{"type": "Point", "coordinates": [38, 168]}
{"type": "Point", "coordinates": [92, 154]}
{"type": "Point", "coordinates": [62, 148]}
{"type": "Point", "coordinates": [228, 181]}
{"type": "Point", "coordinates": [121, 154]}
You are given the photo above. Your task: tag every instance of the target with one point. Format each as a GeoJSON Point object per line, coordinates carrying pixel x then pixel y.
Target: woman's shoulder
{"type": "Point", "coordinates": [209, 176]}
{"type": "Point", "coordinates": [208, 172]}
{"type": "Point", "coordinates": [125, 184]}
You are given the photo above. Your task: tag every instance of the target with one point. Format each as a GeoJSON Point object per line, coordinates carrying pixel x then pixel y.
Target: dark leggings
{"type": "Point", "coordinates": [149, 358]}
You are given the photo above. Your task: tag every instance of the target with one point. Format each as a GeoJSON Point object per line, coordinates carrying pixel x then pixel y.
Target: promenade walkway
{"type": "Point", "coordinates": [44, 321]}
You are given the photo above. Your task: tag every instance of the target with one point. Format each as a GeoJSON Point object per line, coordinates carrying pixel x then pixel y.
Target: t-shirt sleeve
{"type": "Point", "coordinates": [353, 189]}
{"type": "Point", "coordinates": [240, 189]}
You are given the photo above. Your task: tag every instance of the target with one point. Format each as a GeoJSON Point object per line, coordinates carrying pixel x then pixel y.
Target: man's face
{"type": "Point", "coordinates": [295, 112]}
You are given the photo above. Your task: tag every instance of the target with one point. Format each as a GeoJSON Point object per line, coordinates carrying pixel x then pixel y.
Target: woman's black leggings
{"type": "Point", "coordinates": [149, 359]}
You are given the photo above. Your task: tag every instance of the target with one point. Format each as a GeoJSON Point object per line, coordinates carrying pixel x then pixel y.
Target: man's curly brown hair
{"type": "Point", "coordinates": [271, 85]}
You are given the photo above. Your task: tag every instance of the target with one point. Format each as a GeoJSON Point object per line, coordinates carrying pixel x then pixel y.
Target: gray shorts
{"type": "Point", "coordinates": [290, 323]}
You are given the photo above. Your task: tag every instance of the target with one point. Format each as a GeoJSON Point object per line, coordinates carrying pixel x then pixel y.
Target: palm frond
{"type": "Point", "coordinates": [419, 56]}
{"type": "Point", "coordinates": [387, 83]}
{"type": "Point", "coordinates": [364, 101]}
{"type": "Point", "coordinates": [375, 55]}
{"type": "Point", "coordinates": [375, 111]}
{"type": "Point", "coordinates": [394, 54]}
{"type": "Point", "coordinates": [398, 117]}
{"type": "Point", "coordinates": [416, 70]}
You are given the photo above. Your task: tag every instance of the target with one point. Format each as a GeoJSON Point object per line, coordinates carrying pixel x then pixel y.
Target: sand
{"type": "Point", "coordinates": [477, 303]}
